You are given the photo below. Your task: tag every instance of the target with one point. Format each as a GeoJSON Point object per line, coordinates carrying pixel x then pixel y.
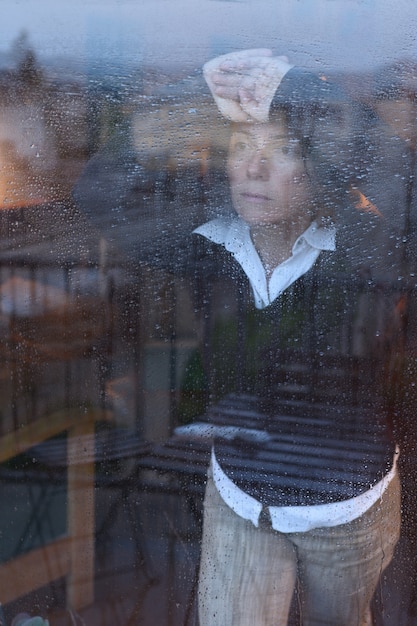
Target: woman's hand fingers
{"type": "Point", "coordinates": [243, 83]}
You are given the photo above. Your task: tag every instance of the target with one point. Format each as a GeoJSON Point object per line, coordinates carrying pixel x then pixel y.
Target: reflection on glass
{"type": "Point", "coordinates": [183, 291]}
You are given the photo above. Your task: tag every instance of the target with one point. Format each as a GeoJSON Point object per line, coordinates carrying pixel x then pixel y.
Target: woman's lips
{"type": "Point", "coordinates": [255, 197]}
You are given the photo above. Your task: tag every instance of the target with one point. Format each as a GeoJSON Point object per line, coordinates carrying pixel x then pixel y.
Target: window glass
{"type": "Point", "coordinates": [207, 312]}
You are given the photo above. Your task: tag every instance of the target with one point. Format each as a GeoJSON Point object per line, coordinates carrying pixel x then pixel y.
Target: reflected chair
{"type": "Point", "coordinates": [42, 351]}
{"type": "Point", "coordinates": [71, 556]}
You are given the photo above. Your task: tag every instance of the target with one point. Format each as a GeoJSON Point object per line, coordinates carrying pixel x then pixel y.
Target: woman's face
{"type": "Point", "coordinates": [267, 176]}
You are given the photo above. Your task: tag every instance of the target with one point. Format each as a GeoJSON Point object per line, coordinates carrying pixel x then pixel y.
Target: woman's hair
{"type": "Point", "coordinates": [335, 146]}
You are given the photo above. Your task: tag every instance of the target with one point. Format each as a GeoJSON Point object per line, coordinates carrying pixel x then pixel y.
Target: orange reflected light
{"type": "Point", "coordinates": [401, 306]}
{"type": "Point", "coordinates": [18, 187]}
{"type": "Point", "coordinates": [364, 204]}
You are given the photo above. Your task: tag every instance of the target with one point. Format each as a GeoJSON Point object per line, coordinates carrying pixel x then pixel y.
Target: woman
{"type": "Point", "coordinates": [293, 241]}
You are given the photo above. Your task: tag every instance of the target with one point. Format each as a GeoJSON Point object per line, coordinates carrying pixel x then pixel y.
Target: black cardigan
{"type": "Point", "coordinates": [333, 337]}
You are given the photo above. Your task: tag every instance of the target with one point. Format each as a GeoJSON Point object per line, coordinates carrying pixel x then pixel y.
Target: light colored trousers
{"type": "Point", "coordinates": [248, 574]}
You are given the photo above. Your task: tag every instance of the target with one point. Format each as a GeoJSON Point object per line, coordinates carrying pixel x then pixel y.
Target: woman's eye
{"type": "Point", "coordinates": [286, 149]}
{"type": "Point", "coordinates": [240, 146]}
{"type": "Point", "coordinates": [281, 150]}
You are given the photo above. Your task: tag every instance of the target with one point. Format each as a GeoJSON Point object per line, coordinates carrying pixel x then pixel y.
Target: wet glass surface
{"type": "Point", "coordinates": [178, 275]}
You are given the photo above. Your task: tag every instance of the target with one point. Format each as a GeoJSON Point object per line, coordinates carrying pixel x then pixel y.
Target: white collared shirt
{"type": "Point", "coordinates": [235, 236]}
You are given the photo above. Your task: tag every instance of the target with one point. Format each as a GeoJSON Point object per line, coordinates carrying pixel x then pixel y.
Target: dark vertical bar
{"type": "Point", "coordinates": [173, 349]}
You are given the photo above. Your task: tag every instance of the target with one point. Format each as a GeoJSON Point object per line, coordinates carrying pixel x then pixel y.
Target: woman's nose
{"type": "Point", "coordinates": [258, 166]}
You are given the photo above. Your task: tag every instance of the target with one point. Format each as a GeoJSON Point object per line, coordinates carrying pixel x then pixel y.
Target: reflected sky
{"type": "Point", "coordinates": [346, 34]}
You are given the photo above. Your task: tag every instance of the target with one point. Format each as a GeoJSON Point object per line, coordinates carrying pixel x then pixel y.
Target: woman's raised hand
{"type": "Point", "coordinates": [243, 83]}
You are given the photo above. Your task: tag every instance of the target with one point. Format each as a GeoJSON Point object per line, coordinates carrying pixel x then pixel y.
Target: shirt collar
{"type": "Point", "coordinates": [234, 235]}
{"type": "Point", "coordinates": [320, 237]}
